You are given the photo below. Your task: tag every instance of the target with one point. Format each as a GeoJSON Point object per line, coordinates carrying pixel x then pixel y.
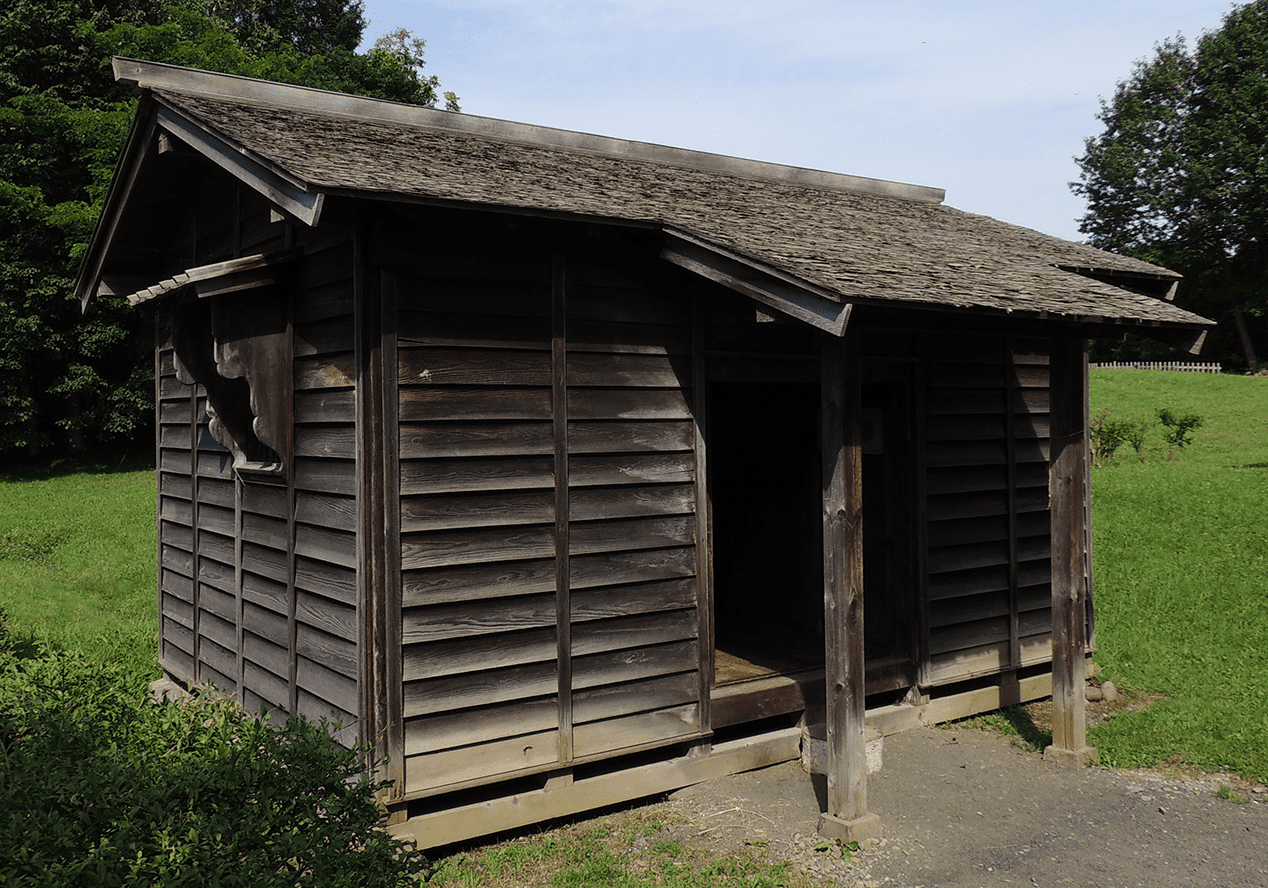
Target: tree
{"type": "Point", "coordinates": [68, 381]}
{"type": "Point", "coordinates": [1179, 176]}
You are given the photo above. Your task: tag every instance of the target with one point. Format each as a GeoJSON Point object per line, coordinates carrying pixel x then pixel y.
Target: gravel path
{"type": "Point", "coordinates": [968, 808]}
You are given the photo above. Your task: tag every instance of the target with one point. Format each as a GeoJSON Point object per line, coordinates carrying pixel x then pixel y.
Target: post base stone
{"type": "Point", "coordinates": [866, 827]}
{"type": "Point", "coordinates": [1079, 758]}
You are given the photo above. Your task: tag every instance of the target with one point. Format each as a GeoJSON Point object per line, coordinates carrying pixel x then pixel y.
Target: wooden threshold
{"type": "Point", "coordinates": [561, 798]}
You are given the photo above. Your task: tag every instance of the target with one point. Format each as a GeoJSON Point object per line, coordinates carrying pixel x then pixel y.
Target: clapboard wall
{"type": "Point", "coordinates": [547, 465]}
{"type": "Point", "coordinates": [985, 458]}
{"type": "Point", "coordinates": [258, 578]}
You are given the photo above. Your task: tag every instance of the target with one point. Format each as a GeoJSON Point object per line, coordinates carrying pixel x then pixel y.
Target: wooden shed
{"type": "Point", "coordinates": [566, 470]}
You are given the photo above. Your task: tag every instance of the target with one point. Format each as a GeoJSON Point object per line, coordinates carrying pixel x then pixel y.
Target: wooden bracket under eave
{"type": "Point", "coordinates": [797, 300]}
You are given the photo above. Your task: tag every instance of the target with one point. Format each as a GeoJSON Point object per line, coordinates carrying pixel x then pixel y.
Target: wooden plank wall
{"type": "Point", "coordinates": [272, 617]}
{"type": "Point", "coordinates": [546, 502]}
{"type": "Point", "coordinates": [986, 482]}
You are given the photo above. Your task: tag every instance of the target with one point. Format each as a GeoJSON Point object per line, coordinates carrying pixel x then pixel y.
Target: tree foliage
{"type": "Point", "coordinates": [1179, 176]}
{"type": "Point", "coordinates": [72, 381]}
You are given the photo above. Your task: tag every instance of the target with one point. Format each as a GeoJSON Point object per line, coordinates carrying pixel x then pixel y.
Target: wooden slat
{"type": "Point", "coordinates": [324, 337]}
{"type": "Point", "coordinates": [342, 724]}
{"type": "Point", "coordinates": [634, 632]}
{"type": "Point", "coordinates": [473, 762]}
{"type": "Point", "coordinates": [631, 664]}
{"type": "Point", "coordinates": [985, 660]}
{"type": "Point", "coordinates": [627, 437]}
{"type": "Point", "coordinates": [488, 473]}
{"type": "Point", "coordinates": [463, 331]}
{"type": "Point", "coordinates": [616, 568]}
{"type": "Point", "coordinates": [218, 630]}
{"type": "Point", "coordinates": [631, 468]}
{"type": "Point", "coordinates": [463, 367]}
{"type": "Point", "coordinates": [467, 439]}
{"type": "Point", "coordinates": [271, 627]}
{"type": "Point", "coordinates": [637, 730]}
{"type": "Point", "coordinates": [176, 536]}
{"type": "Point", "coordinates": [966, 453]}
{"type": "Point", "coordinates": [331, 617]}
{"type": "Point", "coordinates": [454, 403]}
{"type": "Point", "coordinates": [181, 613]}
{"type": "Point", "coordinates": [459, 655]}
{"type": "Point", "coordinates": [621, 535]}
{"type": "Point", "coordinates": [176, 560]}
{"type": "Point", "coordinates": [217, 574]}
{"type": "Point", "coordinates": [495, 509]}
{"type": "Point", "coordinates": [476, 546]}
{"type": "Point", "coordinates": [969, 479]}
{"type": "Point", "coordinates": [222, 604]}
{"type": "Point", "coordinates": [326, 442]}
{"type": "Point", "coordinates": [173, 485]}
{"type": "Point", "coordinates": [471, 726]}
{"type": "Point", "coordinates": [965, 636]}
{"type": "Point", "coordinates": [265, 531]}
{"type": "Point", "coordinates": [638, 598]}
{"type": "Point", "coordinates": [328, 580]}
{"type": "Point", "coordinates": [593, 503]}
{"type": "Point", "coordinates": [216, 519]}
{"type": "Point", "coordinates": [966, 556]}
{"type": "Point", "coordinates": [326, 510]}
{"type": "Point", "coordinates": [612, 701]}
{"type": "Point", "coordinates": [217, 547]}
{"type": "Point", "coordinates": [954, 611]}
{"type": "Point", "coordinates": [480, 688]}
{"type": "Point", "coordinates": [266, 562]}
{"type": "Point", "coordinates": [179, 586]}
{"type": "Point", "coordinates": [472, 618]}
{"type": "Point", "coordinates": [625, 370]}
{"type": "Point", "coordinates": [325, 405]}
{"type": "Point", "coordinates": [335, 476]}
{"type": "Point", "coordinates": [326, 684]}
{"type": "Point", "coordinates": [422, 587]}
{"type": "Point", "coordinates": [334, 653]}
{"type": "Point", "coordinates": [324, 544]}
{"type": "Point", "coordinates": [217, 491]}
{"type": "Point", "coordinates": [668, 403]}
{"type": "Point", "coordinates": [324, 372]}
{"type": "Point", "coordinates": [264, 683]}
{"type": "Point", "coordinates": [968, 582]}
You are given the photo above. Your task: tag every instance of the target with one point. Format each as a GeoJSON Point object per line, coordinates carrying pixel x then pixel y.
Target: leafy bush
{"type": "Point", "coordinates": [1178, 429]}
{"type": "Point", "coordinates": [100, 786]}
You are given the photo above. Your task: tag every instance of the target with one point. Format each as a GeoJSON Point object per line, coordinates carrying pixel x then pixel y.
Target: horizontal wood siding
{"type": "Point", "coordinates": [477, 521]}
{"type": "Point", "coordinates": [635, 630]}
{"type": "Point", "coordinates": [986, 483]}
{"type": "Point", "coordinates": [484, 693]}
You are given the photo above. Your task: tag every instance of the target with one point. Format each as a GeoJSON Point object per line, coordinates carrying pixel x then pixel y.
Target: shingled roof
{"type": "Point", "coordinates": [847, 239]}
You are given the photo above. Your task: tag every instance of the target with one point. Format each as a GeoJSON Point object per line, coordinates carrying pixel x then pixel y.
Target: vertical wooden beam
{"type": "Point", "coordinates": [1069, 495]}
{"type": "Point", "coordinates": [371, 540]}
{"type": "Point", "coordinates": [158, 483]}
{"type": "Point", "coordinates": [847, 817]}
{"type": "Point", "coordinates": [393, 732]}
{"type": "Point", "coordinates": [921, 524]}
{"type": "Point", "coordinates": [1012, 391]}
{"type": "Point", "coordinates": [704, 539]}
{"type": "Point", "coordinates": [563, 575]}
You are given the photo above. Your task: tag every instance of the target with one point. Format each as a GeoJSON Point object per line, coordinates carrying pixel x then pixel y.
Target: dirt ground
{"type": "Point", "coordinates": [968, 808]}
{"type": "Point", "coordinates": [962, 807]}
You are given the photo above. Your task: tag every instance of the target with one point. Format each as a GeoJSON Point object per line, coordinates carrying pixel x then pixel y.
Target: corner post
{"type": "Point", "coordinates": [847, 817]}
{"type": "Point", "coordinates": [1069, 503]}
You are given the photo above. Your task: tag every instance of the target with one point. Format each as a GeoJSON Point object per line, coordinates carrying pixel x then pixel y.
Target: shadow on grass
{"type": "Point", "coordinates": [1030, 733]}
{"type": "Point", "coordinates": [47, 469]}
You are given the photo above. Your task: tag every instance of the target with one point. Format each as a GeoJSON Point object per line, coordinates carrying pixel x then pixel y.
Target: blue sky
{"type": "Point", "coordinates": [989, 100]}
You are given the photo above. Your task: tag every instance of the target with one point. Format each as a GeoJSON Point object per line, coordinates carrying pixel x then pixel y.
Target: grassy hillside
{"type": "Point", "coordinates": [1181, 555]}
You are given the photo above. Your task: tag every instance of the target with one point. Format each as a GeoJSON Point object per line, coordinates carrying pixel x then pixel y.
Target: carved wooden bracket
{"type": "Point", "coordinates": [235, 346]}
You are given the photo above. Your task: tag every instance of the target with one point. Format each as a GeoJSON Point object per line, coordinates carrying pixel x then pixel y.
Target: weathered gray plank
{"type": "Point", "coordinates": [419, 367]}
{"type": "Point", "coordinates": [326, 684]}
{"type": "Point", "coordinates": [594, 403]}
{"type": "Point", "coordinates": [636, 730]}
{"type": "Point", "coordinates": [628, 501]}
{"type": "Point", "coordinates": [634, 632]}
{"type": "Point", "coordinates": [325, 544]}
{"type": "Point", "coordinates": [476, 546]}
{"type": "Point", "coordinates": [472, 618]}
{"type": "Point", "coordinates": [470, 726]}
{"type": "Point", "coordinates": [270, 626]}
{"type": "Point", "coordinates": [490, 473]}
{"type": "Point", "coordinates": [626, 534]}
{"type": "Point", "coordinates": [496, 509]}
{"type": "Point", "coordinates": [438, 403]}
{"type": "Point", "coordinates": [326, 476]}
{"type": "Point", "coordinates": [460, 654]}
{"type": "Point", "coordinates": [326, 442]}
{"type": "Point", "coordinates": [264, 593]}
{"type": "Point", "coordinates": [332, 617]}
{"type": "Point", "coordinates": [334, 653]}
{"type": "Point", "coordinates": [476, 762]}
{"type": "Point", "coordinates": [612, 701]}
{"type": "Point", "coordinates": [446, 585]}
{"type": "Point", "coordinates": [328, 580]}
{"type": "Point", "coordinates": [631, 468]}
{"type": "Point", "coordinates": [631, 664]}
{"type": "Point", "coordinates": [326, 510]}
{"type": "Point", "coordinates": [480, 688]}
{"type": "Point", "coordinates": [324, 372]}
{"type": "Point", "coordinates": [626, 437]}
{"type": "Point", "coordinates": [467, 439]}
{"type": "Point", "coordinates": [622, 370]}
{"type": "Point", "coordinates": [325, 405]}
{"type": "Point", "coordinates": [614, 568]}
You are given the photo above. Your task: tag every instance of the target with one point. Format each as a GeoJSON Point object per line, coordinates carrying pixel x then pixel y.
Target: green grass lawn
{"type": "Point", "coordinates": [1181, 556]}
{"type": "Point", "coordinates": [77, 561]}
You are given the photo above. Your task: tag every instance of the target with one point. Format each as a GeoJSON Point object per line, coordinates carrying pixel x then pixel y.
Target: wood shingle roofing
{"type": "Point", "coordinates": [852, 240]}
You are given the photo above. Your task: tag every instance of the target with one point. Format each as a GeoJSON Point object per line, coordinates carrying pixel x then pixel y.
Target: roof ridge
{"type": "Point", "coordinates": [208, 84]}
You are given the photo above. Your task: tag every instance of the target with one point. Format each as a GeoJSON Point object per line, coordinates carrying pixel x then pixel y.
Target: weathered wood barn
{"type": "Point", "coordinates": [566, 470]}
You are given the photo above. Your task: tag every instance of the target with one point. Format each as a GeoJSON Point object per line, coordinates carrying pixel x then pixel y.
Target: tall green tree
{"type": "Point", "coordinates": [1179, 176]}
{"type": "Point", "coordinates": [72, 382]}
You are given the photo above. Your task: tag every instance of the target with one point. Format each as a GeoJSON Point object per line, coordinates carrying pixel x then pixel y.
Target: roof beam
{"type": "Point", "coordinates": [761, 284]}
{"type": "Point", "coordinates": [289, 194]}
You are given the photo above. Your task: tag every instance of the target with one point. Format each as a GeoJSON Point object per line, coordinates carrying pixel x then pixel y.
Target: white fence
{"type": "Point", "coordinates": [1157, 365]}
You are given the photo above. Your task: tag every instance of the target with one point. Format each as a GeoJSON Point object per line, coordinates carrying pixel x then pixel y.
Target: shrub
{"type": "Point", "coordinates": [100, 786]}
{"type": "Point", "coordinates": [1178, 429]}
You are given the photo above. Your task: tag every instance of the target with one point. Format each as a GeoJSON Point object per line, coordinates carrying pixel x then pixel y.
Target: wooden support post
{"type": "Point", "coordinates": [847, 817]}
{"type": "Point", "coordinates": [1069, 496]}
